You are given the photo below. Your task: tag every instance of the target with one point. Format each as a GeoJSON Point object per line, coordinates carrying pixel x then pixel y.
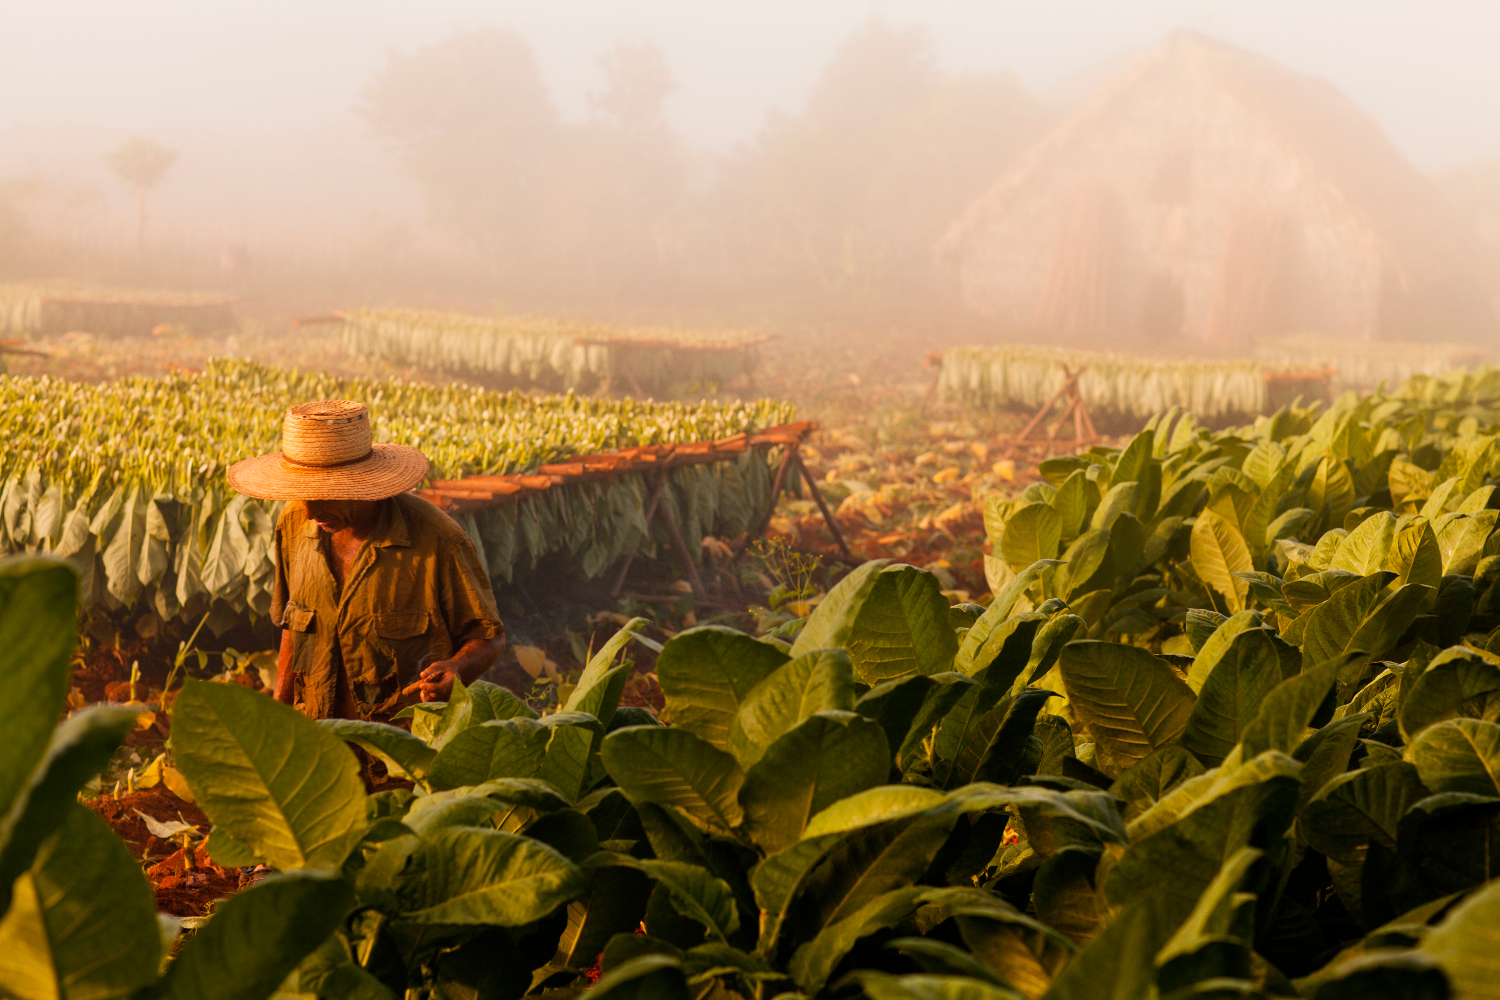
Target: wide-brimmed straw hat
{"type": "Point", "coordinates": [327, 453]}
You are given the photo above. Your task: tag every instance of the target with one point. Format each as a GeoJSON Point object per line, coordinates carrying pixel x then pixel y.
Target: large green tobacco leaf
{"type": "Point", "coordinates": [405, 755]}
{"type": "Point", "coordinates": [1461, 755]}
{"type": "Point", "coordinates": [330, 971]}
{"type": "Point", "coordinates": [273, 779]}
{"type": "Point", "coordinates": [1219, 552]}
{"type": "Point", "coordinates": [466, 875]}
{"type": "Point", "coordinates": [1064, 898]}
{"type": "Point", "coordinates": [1331, 491]}
{"type": "Point", "coordinates": [813, 962]}
{"type": "Point", "coordinates": [38, 625]}
{"type": "Point", "coordinates": [1214, 917]}
{"type": "Point", "coordinates": [930, 986]}
{"type": "Point", "coordinates": [1452, 839]}
{"type": "Point", "coordinates": [614, 904]}
{"type": "Point", "coordinates": [1461, 538]}
{"type": "Point", "coordinates": [570, 747]}
{"type": "Point", "coordinates": [81, 747]}
{"type": "Point", "coordinates": [1130, 700]}
{"type": "Point", "coordinates": [997, 748]}
{"type": "Point", "coordinates": [1075, 502]}
{"type": "Point", "coordinates": [674, 768]}
{"type": "Point", "coordinates": [902, 627]}
{"type": "Point", "coordinates": [499, 748]}
{"type": "Point", "coordinates": [1415, 556]}
{"type": "Point", "coordinates": [825, 758]}
{"type": "Point", "coordinates": [1006, 642]}
{"type": "Point", "coordinates": [1031, 533]}
{"type": "Point", "coordinates": [648, 977]}
{"type": "Point", "coordinates": [895, 705]}
{"type": "Point", "coordinates": [1456, 682]}
{"type": "Point", "coordinates": [82, 922]}
{"type": "Point", "coordinates": [875, 805]}
{"type": "Point", "coordinates": [257, 937]}
{"type": "Point", "coordinates": [819, 680]}
{"type": "Point", "coordinates": [1119, 964]}
{"type": "Point", "coordinates": [1360, 808]}
{"type": "Point", "coordinates": [1289, 708]}
{"type": "Point", "coordinates": [1363, 617]}
{"type": "Point", "coordinates": [893, 620]}
{"type": "Point", "coordinates": [696, 892]}
{"type": "Point", "coordinates": [1381, 974]}
{"type": "Point", "coordinates": [124, 550]}
{"type": "Point", "coordinates": [1148, 782]}
{"type": "Point", "coordinates": [1179, 845]}
{"type": "Point", "coordinates": [1247, 670]}
{"type": "Point", "coordinates": [860, 866]}
{"type": "Point", "coordinates": [1210, 634]}
{"type": "Point", "coordinates": [1367, 549]}
{"type": "Point", "coordinates": [1010, 649]}
{"type": "Point", "coordinates": [832, 622]}
{"type": "Point", "coordinates": [499, 802]}
{"type": "Point", "coordinates": [488, 701]}
{"type": "Point", "coordinates": [706, 672]}
{"type": "Point", "coordinates": [599, 686]}
{"type": "Point", "coordinates": [1467, 945]}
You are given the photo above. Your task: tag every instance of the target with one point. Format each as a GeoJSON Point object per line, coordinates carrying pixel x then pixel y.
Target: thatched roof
{"type": "Point", "coordinates": [1266, 155]}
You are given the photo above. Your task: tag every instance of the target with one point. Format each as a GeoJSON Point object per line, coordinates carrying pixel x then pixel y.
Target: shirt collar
{"type": "Point", "coordinates": [391, 526]}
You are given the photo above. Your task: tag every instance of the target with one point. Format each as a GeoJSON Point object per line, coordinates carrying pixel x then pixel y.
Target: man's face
{"type": "Point", "coordinates": [336, 515]}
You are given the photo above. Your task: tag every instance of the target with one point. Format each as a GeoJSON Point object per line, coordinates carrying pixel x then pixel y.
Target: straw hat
{"type": "Point", "coordinates": [326, 454]}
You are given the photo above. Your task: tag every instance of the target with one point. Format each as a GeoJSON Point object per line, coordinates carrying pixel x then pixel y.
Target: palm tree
{"type": "Point", "coordinates": [141, 163]}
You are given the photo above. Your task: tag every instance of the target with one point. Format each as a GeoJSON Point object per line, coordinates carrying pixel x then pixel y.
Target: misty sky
{"type": "Point", "coordinates": [220, 77]}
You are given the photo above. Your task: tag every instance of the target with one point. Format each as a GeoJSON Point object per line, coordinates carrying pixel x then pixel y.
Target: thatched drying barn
{"type": "Point", "coordinates": [1210, 195]}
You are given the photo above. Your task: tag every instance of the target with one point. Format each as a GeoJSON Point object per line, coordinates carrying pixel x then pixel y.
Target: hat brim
{"type": "Point", "coordinates": [389, 470]}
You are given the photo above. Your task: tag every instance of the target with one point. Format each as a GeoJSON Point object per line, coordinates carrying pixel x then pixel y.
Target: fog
{"type": "Point", "coordinates": [666, 160]}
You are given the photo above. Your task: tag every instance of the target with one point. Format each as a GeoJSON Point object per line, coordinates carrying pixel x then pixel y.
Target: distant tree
{"type": "Point", "coordinates": [843, 203]}
{"type": "Point", "coordinates": [620, 182]}
{"type": "Point", "coordinates": [636, 82]}
{"type": "Point", "coordinates": [478, 133]}
{"type": "Point", "coordinates": [143, 164]}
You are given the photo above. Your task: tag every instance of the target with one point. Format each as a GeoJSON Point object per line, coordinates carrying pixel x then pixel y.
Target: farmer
{"type": "Point", "coordinates": [380, 596]}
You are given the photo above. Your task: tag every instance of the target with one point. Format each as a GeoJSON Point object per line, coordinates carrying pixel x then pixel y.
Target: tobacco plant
{"type": "Point", "coordinates": [1241, 739]}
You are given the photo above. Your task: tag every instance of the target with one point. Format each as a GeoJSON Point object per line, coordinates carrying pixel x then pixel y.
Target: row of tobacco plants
{"type": "Point", "coordinates": [1230, 727]}
{"type": "Point", "coordinates": [126, 480]}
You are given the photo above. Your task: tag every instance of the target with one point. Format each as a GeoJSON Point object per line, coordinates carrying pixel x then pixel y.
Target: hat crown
{"type": "Point", "coordinates": [326, 433]}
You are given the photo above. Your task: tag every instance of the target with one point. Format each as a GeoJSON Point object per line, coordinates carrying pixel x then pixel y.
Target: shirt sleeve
{"type": "Point", "coordinates": [280, 592]}
{"type": "Point", "coordinates": [468, 600]}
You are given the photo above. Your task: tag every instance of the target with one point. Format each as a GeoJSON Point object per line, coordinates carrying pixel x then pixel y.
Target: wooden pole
{"type": "Point", "coordinates": [682, 551]}
{"type": "Point", "coordinates": [833, 525]}
{"type": "Point", "coordinates": [1020, 440]}
{"type": "Point", "coordinates": [655, 499]}
{"type": "Point", "coordinates": [786, 461]}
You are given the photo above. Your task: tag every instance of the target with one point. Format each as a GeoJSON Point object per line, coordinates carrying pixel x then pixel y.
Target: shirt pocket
{"type": "Point", "coordinates": [390, 642]}
{"type": "Point", "coordinates": [399, 624]}
{"type": "Point", "coordinates": [299, 618]}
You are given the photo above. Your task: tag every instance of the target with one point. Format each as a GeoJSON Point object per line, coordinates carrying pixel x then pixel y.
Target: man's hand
{"type": "Point", "coordinates": [435, 683]}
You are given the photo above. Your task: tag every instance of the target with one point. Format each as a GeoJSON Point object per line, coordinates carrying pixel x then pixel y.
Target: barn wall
{"type": "Point", "coordinates": [1220, 222]}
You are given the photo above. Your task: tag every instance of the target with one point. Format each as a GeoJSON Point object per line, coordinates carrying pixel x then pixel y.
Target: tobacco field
{"type": "Point", "coordinates": [1224, 721]}
{"type": "Point", "coordinates": [126, 478]}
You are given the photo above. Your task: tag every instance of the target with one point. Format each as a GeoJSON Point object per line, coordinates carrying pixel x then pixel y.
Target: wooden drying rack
{"type": "Point", "coordinates": [475, 493]}
{"type": "Point", "coordinates": [1083, 425]}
